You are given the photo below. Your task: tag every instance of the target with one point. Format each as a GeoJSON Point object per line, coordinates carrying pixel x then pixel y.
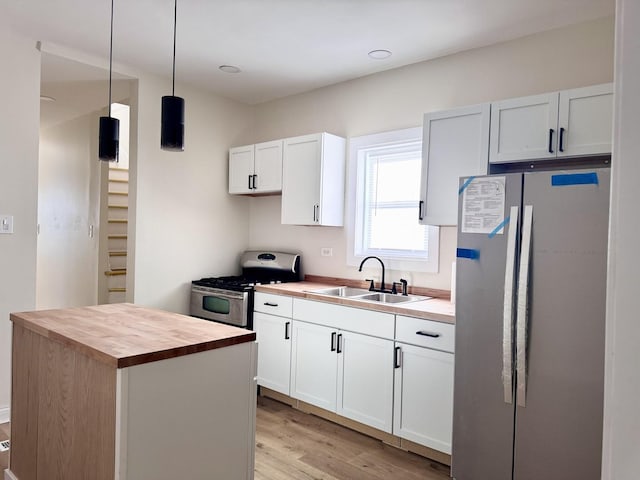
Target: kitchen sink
{"type": "Point", "coordinates": [389, 298]}
{"type": "Point", "coordinates": [363, 294]}
{"type": "Point", "coordinates": [341, 291]}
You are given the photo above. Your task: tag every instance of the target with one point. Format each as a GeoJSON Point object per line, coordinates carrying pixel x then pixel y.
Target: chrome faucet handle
{"type": "Point", "coordinates": [371, 285]}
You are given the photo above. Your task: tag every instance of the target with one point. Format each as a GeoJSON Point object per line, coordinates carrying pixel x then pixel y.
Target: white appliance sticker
{"type": "Point", "coordinates": [483, 205]}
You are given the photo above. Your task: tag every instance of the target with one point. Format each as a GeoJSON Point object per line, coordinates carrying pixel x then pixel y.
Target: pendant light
{"type": "Point", "coordinates": [109, 131]}
{"type": "Point", "coordinates": [172, 124]}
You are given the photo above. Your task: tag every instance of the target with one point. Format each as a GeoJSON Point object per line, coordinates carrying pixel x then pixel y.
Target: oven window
{"type": "Point", "coordinates": [216, 305]}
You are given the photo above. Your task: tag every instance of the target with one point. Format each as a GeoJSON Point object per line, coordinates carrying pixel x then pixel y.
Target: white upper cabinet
{"type": "Point", "coordinates": [256, 169]}
{"type": "Point", "coordinates": [585, 121]}
{"type": "Point", "coordinates": [569, 123]}
{"type": "Point", "coordinates": [313, 174]}
{"type": "Point", "coordinates": [524, 128]}
{"type": "Point", "coordinates": [455, 144]}
{"type": "Point", "coordinates": [241, 169]}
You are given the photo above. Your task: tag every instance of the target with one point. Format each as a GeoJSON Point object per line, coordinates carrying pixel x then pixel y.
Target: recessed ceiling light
{"type": "Point", "coordinates": [379, 54]}
{"type": "Point", "coordinates": [229, 69]}
{"type": "Point", "coordinates": [46, 98]}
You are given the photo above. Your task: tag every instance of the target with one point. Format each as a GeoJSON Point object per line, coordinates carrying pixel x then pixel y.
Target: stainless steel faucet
{"type": "Point", "coordinates": [371, 287]}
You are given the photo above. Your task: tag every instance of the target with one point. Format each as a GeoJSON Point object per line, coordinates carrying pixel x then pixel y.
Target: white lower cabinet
{"type": "Point", "coordinates": [423, 391]}
{"type": "Point", "coordinates": [424, 397]}
{"type": "Point", "coordinates": [390, 372]}
{"type": "Point", "coordinates": [346, 372]}
{"type": "Point", "coordinates": [273, 335]}
{"type": "Point", "coordinates": [365, 380]}
{"type": "Point", "coordinates": [314, 365]}
{"type": "Point", "coordinates": [272, 324]}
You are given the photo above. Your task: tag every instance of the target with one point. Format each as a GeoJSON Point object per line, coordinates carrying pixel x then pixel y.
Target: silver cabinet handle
{"type": "Point", "coordinates": [507, 316]}
{"type": "Point", "coordinates": [523, 300]}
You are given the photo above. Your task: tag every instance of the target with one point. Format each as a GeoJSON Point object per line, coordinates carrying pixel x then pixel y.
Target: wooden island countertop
{"type": "Point", "coordinates": [124, 335]}
{"type": "Point", "coordinates": [92, 388]}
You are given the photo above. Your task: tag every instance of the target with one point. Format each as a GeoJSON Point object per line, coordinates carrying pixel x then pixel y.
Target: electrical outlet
{"type": "Point", "coordinates": [6, 223]}
{"type": "Point", "coordinates": [326, 251]}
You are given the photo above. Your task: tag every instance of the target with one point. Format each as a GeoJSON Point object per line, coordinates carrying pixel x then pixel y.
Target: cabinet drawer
{"type": "Point", "coordinates": [425, 333]}
{"type": "Point", "coordinates": [358, 320]}
{"type": "Point", "coordinates": [274, 304]}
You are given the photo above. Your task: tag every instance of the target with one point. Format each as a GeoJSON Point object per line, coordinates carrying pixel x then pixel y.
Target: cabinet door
{"type": "Point", "coordinates": [524, 129]}
{"type": "Point", "coordinates": [241, 169]}
{"type": "Point", "coordinates": [268, 167]}
{"type": "Point", "coordinates": [365, 379]}
{"type": "Point", "coordinates": [423, 404]}
{"type": "Point", "coordinates": [274, 351]}
{"type": "Point", "coordinates": [301, 180]}
{"type": "Point", "coordinates": [455, 144]}
{"type": "Point", "coordinates": [585, 121]}
{"type": "Point", "coordinates": [314, 364]}
{"type": "Point", "coordinates": [332, 177]}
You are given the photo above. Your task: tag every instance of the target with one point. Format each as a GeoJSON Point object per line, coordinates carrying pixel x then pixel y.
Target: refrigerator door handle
{"type": "Point", "coordinates": [521, 318]}
{"type": "Point", "coordinates": [507, 319]}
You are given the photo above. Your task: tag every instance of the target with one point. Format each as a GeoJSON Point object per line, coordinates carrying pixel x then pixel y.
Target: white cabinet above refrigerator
{"type": "Point", "coordinates": [569, 123]}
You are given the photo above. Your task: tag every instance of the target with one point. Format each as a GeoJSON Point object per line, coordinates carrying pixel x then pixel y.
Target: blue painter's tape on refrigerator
{"type": "Point", "coordinates": [468, 253]}
{"type": "Point", "coordinates": [574, 179]}
{"type": "Point", "coordinates": [465, 185]}
{"type": "Point", "coordinates": [499, 227]}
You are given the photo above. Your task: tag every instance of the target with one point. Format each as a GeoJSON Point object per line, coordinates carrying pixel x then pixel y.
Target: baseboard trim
{"type": "Point", "coordinates": [5, 414]}
{"type": "Point", "coordinates": [385, 437]}
{"type": "Point", "coordinates": [9, 476]}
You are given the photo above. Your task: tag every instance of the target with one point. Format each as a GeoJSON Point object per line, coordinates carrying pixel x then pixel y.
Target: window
{"type": "Point", "coordinates": [384, 195]}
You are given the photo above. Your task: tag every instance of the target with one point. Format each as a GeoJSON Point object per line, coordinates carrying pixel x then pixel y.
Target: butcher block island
{"type": "Point", "coordinates": [130, 393]}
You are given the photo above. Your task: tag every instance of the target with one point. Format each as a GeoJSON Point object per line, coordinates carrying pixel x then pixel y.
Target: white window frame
{"type": "Point", "coordinates": [411, 264]}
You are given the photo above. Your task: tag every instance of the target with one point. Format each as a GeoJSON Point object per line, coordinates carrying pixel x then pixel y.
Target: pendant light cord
{"type": "Point", "coordinates": [175, 17]}
{"type": "Point", "coordinates": [110, 57]}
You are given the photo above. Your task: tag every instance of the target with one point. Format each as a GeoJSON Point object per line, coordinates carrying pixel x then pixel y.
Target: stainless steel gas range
{"type": "Point", "coordinates": [230, 299]}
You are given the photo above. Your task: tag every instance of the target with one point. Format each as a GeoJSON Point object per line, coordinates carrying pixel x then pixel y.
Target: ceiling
{"type": "Point", "coordinates": [283, 47]}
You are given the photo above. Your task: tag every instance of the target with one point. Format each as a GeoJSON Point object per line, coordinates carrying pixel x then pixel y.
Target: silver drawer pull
{"type": "Point", "coordinates": [427, 334]}
{"type": "Point", "coordinates": [270, 304]}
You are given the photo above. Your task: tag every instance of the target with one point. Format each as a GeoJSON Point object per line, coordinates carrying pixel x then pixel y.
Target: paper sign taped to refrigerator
{"type": "Point", "coordinates": [483, 205]}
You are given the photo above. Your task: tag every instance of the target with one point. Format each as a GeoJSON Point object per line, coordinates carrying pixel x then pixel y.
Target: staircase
{"type": "Point", "coordinates": [117, 226]}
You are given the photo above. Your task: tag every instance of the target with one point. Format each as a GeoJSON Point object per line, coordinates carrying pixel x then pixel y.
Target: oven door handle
{"type": "Point", "coordinates": [228, 294]}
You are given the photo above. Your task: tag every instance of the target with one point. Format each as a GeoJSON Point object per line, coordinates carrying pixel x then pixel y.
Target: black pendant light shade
{"type": "Point", "coordinates": [109, 130]}
{"type": "Point", "coordinates": [172, 122]}
{"type": "Point", "coordinates": [109, 139]}
{"type": "Point", "coordinates": [172, 128]}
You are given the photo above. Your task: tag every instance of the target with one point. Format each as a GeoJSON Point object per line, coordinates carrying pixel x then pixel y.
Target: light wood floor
{"type": "Point", "coordinates": [4, 456]}
{"type": "Point", "coordinates": [294, 445]}
{"type": "Point", "coordinates": [291, 445]}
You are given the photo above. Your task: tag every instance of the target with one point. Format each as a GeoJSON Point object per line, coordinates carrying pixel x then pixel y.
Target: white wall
{"type": "Point", "coordinates": [68, 203]}
{"type": "Point", "coordinates": [182, 223]}
{"type": "Point", "coordinates": [622, 386]}
{"type": "Point", "coordinates": [20, 87]}
{"type": "Point", "coordinates": [569, 57]}
{"type": "Point", "coordinates": [186, 224]}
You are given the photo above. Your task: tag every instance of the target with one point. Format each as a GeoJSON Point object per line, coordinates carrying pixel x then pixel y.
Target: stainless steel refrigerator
{"type": "Point", "coordinates": [530, 326]}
